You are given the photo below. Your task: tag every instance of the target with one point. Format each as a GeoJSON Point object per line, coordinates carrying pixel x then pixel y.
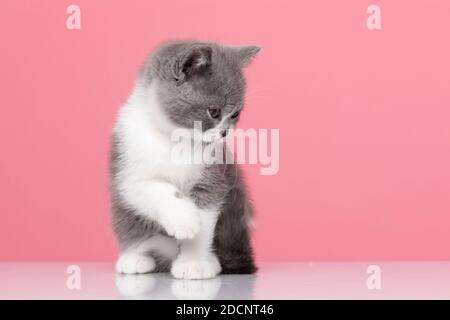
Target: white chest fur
{"type": "Point", "coordinates": [145, 143]}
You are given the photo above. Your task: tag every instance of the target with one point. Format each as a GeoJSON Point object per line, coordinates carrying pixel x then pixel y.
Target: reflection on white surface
{"type": "Point", "coordinates": [159, 286]}
{"type": "Point", "coordinates": [398, 280]}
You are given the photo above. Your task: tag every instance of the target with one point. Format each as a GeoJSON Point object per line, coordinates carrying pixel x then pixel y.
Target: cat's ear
{"type": "Point", "coordinates": [246, 54]}
{"type": "Point", "coordinates": [195, 60]}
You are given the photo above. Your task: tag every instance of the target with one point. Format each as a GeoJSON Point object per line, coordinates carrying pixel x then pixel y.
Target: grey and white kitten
{"type": "Point", "coordinates": [191, 219]}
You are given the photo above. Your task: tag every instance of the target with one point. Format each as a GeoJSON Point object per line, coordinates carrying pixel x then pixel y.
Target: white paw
{"type": "Point", "coordinates": [196, 289]}
{"type": "Point", "coordinates": [196, 269]}
{"type": "Point", "coordinates": [182, 220]}
{"type": "Point", "coordinates": [132, 263]}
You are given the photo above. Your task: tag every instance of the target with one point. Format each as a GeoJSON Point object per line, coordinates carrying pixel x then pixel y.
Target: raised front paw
{"type": "Point", "coordinates": [181, 220]}
{"type": "Point", "coordinates": [196, 269]}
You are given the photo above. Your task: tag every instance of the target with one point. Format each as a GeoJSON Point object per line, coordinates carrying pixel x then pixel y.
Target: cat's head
{"type": "Point", "coordinates": [200, 82]}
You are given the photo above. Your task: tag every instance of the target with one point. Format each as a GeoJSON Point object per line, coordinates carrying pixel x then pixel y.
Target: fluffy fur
{"type": "Point", "coordinates": [191, 219]}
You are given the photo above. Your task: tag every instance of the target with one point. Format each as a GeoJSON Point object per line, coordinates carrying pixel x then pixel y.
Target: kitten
{"type": "Point", "coordinates": [191, 219]}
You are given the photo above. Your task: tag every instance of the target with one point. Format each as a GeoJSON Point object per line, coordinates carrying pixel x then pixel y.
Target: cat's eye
{"type": "Point", "coordinates": [214, 112]}
{"type": "Point", "coordinates": [235, 115]}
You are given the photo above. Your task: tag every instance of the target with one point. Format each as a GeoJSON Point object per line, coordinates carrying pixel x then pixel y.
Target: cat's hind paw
{"type": "Point", "coordinates": [132, 263]}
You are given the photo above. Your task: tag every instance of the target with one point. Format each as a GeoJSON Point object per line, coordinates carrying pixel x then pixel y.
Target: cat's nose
{"type": "Point", "coordinates": [223, 133]}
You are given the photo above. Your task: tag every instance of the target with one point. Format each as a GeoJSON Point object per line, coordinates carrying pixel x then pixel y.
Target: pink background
{"type": "Point", "coordinates": [364, 119]}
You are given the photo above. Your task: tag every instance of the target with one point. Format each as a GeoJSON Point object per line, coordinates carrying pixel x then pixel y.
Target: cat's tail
{"type": "Point", "coordinates": [238, 266]}
{"type": "Point", "coordinates": [235, 254]}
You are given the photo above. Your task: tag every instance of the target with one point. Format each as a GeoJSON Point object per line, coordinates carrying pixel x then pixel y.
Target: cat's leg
{"type": "Point", "coordinates": [138, 258]}
{"type": "Point", "coordinates": [163, 203]}
{"type": "Point", "coordinates": [196, 259]}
